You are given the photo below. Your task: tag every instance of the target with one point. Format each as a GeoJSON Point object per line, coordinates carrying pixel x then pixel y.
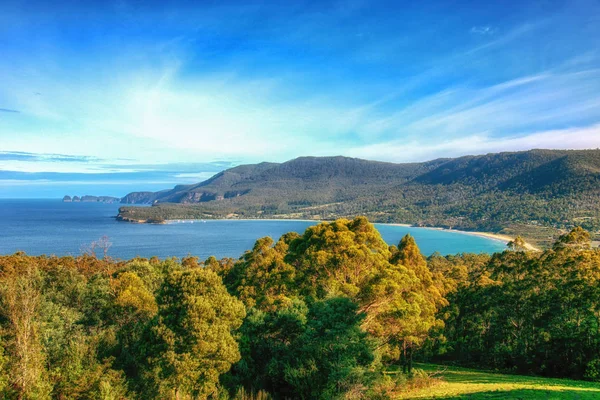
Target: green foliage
{"type": "Point", "coordinates": [311, 352]}
{"type": "Point", "coordinates": [83, 328]}
{"type": "Point", "coordinates": [332, 355]}
{"type": "Point", "coordinates": [242, 394]}
{"type": "Point", "coordinates": [349, 259]}
{"type": "Point", "coordinates": [418, 306]}
{"type": "Point", "coordinates": [315, 316]}
{"type": "Point", "coordinates": [592, 372]}
{"type": "Point", "coordinates": [131, 293]}
{"type": "Point", "coordinates": [339, 258]}
{"type": "Point", "coordinates": [529, 312]}
{"type": "Point", "coordinates": [577, 238]}
{"type": "Point", "coordinates": [192, 335]}
{"type": "Point", "coordinates": [20, 294]}
{"type": "Point", "coordinates": [285, 284]}
{"type": "Point", "coordinates": [262, 278]}
{"type": "Point", "coordinates": [518, 244]}
{"type": "Point", "coordinates": [4, 378]}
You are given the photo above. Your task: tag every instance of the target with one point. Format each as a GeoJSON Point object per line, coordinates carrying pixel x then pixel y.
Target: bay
{"type": "Point", "coordinates": [49, 226]}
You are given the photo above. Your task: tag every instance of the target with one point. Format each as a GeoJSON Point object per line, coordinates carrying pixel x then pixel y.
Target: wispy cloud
{"type": "Point", "coordinates": [481, 143]}
{"type": "Point", "coordinates": [8, 110]}
{"type": "Point", "coordinates": [35, 157]}
{"type": "Point", "coordinates": [43, 174]}
{"type": "Point", "coordinates": [483, 30]}
{"type": "Point", "coordinates": [225, 116]}
{"type": "Point", "coordinates": [549, 99]}
{"type": "Point", "coordinates": [27, 164]}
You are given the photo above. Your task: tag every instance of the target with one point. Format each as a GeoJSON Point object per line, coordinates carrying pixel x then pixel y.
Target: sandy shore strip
{"type": "Point", "coordinates": [489, 235]}
{"type": "Point", "coordinates": [496, 236]}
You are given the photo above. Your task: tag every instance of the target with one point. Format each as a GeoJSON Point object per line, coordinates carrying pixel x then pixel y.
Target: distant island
{"type": "Point", "coordinates": [536, 193]}
{"type": "Point", "coordinates": [91, 199]}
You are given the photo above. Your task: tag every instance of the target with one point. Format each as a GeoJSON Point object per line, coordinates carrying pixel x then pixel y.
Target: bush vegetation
{"type": "Point", "coordinates": [321, 315]}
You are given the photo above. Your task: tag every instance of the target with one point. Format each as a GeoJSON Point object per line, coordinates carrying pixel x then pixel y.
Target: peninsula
{"type": "Point", "coordinates": [537, 193]}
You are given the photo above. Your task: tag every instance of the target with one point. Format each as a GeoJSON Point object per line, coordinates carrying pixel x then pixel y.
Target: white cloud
{"type": "Point", "coordinates": [426, 149]}
{"type": "Point", "coordinates": [483, 30]}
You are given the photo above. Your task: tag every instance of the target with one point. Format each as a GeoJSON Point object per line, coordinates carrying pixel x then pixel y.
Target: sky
{"type": "Point", "coordinates": [109, 97]}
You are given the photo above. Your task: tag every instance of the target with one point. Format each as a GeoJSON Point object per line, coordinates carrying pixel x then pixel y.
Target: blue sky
{"type": "Point", "coordinates": [111, 97]}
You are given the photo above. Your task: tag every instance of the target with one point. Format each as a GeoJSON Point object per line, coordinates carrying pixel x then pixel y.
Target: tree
{"type": "Point", "coordinates": [531, 312]}
{"type": "Point", "coordinates": [346, 259]}
{"type": "Point", "coordinates": [193, 335]}
{"type": "Point", "coordinates": [262, 278]}
{"type": "Point", "coordinates": [20, 301]}
{"type": "Point", "coordinates": [332, 356]}
{"type": "Point", "coordinates": [132, 294]}
{"type": "Point", "coordinates": [421, 301]}
{"type": "Point", "coordinates": [133, 306]}
{"type": "Point", "coordinates": [315, 351]}
{"type": "Point", "coordinates": [518, 244]}
{"type": "Point", "coordinates": [577, 238]}
{"type": "Point", "coordinates": [101, 245]}
{"type": "Point", "coordinates": [338, 258]}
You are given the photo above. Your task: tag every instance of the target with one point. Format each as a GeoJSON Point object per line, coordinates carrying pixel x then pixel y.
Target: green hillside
{"type": "Point", "coordinates": [503, 192]}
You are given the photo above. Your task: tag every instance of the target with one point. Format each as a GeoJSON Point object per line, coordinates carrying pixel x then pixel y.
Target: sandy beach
{"type": "Point", "coordinates": [489, 235]}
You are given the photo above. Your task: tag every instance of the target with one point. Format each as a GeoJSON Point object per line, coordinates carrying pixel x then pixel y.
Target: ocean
{"type": "Point", "coordinates": [49, 226]}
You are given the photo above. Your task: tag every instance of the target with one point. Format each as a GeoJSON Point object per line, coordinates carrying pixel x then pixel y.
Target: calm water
{"type": "Point", "coordinates": [53, 227]}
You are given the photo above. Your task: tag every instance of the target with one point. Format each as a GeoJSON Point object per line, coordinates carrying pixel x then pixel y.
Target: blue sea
{"type": "Point", "coordinates": [53, 227]}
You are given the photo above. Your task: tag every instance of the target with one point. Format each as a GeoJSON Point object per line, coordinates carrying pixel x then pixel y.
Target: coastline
{"type": "Point", "coordinates": [493, 236]}
{"type": "Point", "coordinates": [183, 221]}
{"type": "Point", "coordinates": [497, 236]}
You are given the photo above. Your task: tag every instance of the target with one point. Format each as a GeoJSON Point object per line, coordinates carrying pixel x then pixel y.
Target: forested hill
{"type": "Point", "coordinates": [310, 179]}
{"type": "Point", "coordinates": [555, 188]}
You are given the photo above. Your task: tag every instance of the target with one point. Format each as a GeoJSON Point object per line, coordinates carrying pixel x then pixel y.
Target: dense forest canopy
{"type": "Point", "coordinates": [321, 315]}
{"type": "Point", "coordinates": [536, 193]}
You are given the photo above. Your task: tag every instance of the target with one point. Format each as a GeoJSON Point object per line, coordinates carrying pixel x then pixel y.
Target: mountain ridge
{"type": "Point", "coordinates": [554, 188]}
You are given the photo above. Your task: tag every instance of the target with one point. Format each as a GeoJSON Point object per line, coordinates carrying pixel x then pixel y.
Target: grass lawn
{"type": "Point", "coordinates": [462, 383]}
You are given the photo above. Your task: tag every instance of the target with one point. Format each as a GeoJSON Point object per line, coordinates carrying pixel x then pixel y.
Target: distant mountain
{"type": "Point", "coordinates": [538, 187]}
{"type": "Point", "coordinates": [306, 179]}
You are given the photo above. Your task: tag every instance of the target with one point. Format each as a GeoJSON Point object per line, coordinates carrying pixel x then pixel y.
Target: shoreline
{"type": "Point", "coordinates": [497, 236]}
{"type": "Point", "coordinates": [182, 221]}
{"type": "Point", "coordinates": [488, 235]}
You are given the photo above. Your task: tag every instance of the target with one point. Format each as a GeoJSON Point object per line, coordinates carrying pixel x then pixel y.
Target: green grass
{"type": "Point", "coordinates": [461, 383]}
